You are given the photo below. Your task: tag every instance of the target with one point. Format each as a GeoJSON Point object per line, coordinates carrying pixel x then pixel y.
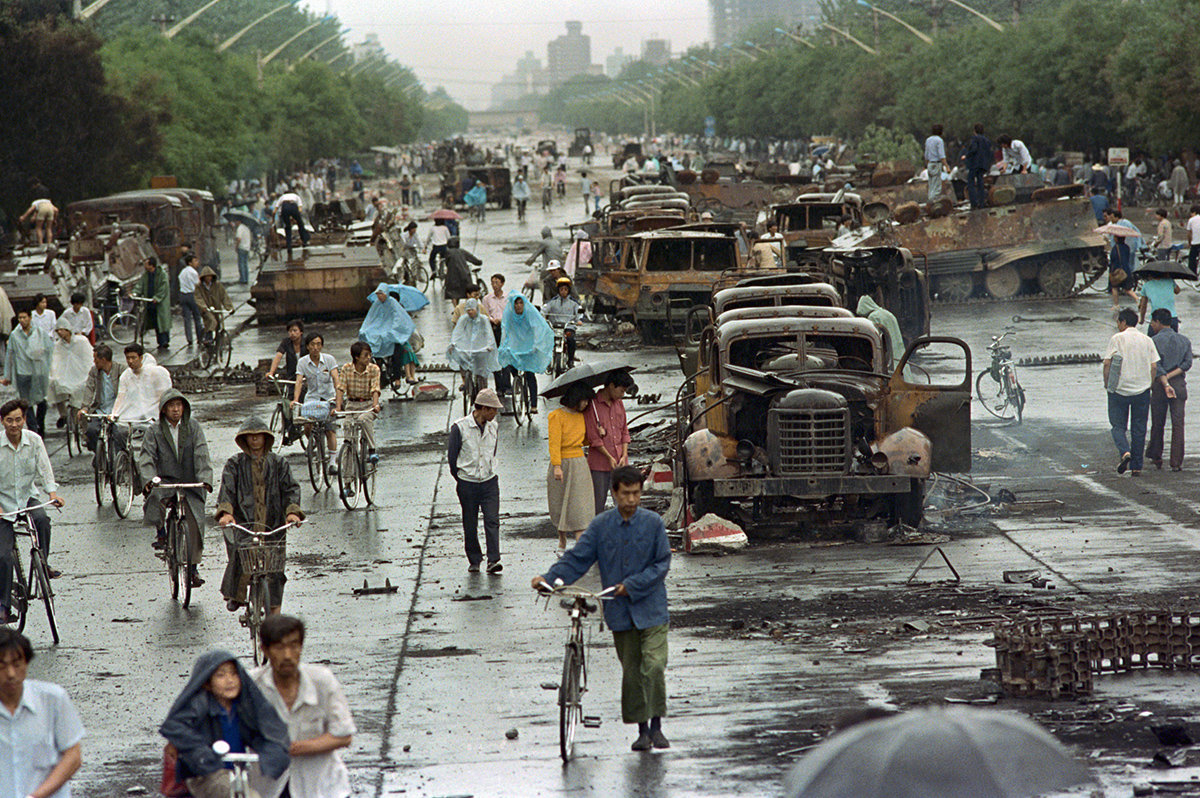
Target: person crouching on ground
{"type": "Point", "coordinates": [629, 544]}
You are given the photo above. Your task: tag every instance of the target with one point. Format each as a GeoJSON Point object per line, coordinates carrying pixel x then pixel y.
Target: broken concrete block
{"type": "Point", "coordinates": [712, 534]}
{"type": "Point", "coordinates": [430, 392]}
{"type": "Point", "coordinates": [660, 479]}
{"type": "Point", "coordinates": [673, 517]}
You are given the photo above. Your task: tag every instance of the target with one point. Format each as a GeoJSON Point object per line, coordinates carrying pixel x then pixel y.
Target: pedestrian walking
{"type": "Point", "coordinates": [597, 193]}
{"type": "Point", "coordinates": [189, 278]}
{"type": "Point", "coordinates": [27, 364]}
{"type": "Point", "coordinates": [568, 481]}
{"type": "Point", "coordinates": [310, 701]}
{"type": "Point", "coordinates": [258, 492]}
{"type": "Point", "coordinates": [1169, 391]}
{"type": "Point", "coordinates": [471, 452]}
{"type": "Point", "coordinates": [1130, 366]}
{"type": "Point", "coordinates": [1158, 291]}
{"type": "Point", "coordinates": [1193, 237]}
{"type": "Point", "coordinates": [154, 285]}
{"type": "Point", "coordinates": [520, 195]}
{"type": "Point", "coordinates": [40, 730]}
{"type": "Point", "coordinates": [585, 187]}
{"type": "Point", "coordinates": [607, 434]}
{"type": "Point", "coordinates": [1163, 235]}
{"type": "Point", "coordinates": [978, 160]}
{"type": "Point", "coordinates": [221, 702]}
{"type": "Point", "coordinates": [1178, 182]}
{"type": "Point", "coordinates": [629, 544]}
{"type": "Point", "coordinates": [243, 239]}
{"type": "Point", "coordinates": [935, 160]}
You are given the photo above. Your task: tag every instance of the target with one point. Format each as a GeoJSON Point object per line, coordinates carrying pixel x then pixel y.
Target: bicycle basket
{"type": "Point", "coordinates": [264, 558]}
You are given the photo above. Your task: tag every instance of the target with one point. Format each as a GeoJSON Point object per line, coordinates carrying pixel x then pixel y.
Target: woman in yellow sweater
{"type": "Point", "coordinates": [568, 480]}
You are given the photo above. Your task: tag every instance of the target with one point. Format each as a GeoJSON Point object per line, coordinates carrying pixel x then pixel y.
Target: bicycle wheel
{"type": "Point", "coordinates": [72, 437]}
{"type": "Point", "coordinates": [467, 382]}
{"type": "Point", "coordinates": [19, 600]}
{"type": "Point", "coordinates": [123, 327]}
{"type": "Point", "coordinates": [570, 710]}
{"type": "Point", "coordinates": [184, 557]}
{"type": "Point", "coordinates": [993, 396]}
{"type": "Point", "coordinates": [347, 476]}
{"type": "Point", "coordinates": [100, 474]}
{"type": "Point", "coordinates": [172, 552]}
{"type": "Point", "coordinates": [276, 425]}
{"type": "Point", "coordinates": [520, 399]}
{"type": "Point", "coordinates": [420, 275]}
{"type": "Point", "coordinates": [328, 477]}
{"type": "Point", "coordinates": [39, 572]}
{"type": "Point", "coordinates": [315, 461]}
{"type": "Point", "coordinates": [224, 349]}
{"type": "Point", "coordinates": [122, 484]}
{"type": "Point", "coordinates": [367, 471]}
{"type": "Point", "coordinates": [256, 611]}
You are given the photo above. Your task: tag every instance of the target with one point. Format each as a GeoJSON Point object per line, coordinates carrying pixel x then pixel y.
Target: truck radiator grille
{"type": "Point", "coordinates": [813, 441]}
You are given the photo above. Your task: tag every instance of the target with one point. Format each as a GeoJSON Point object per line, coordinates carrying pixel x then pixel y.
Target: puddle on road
{"type": "Point", "coordinates": [876, 695]}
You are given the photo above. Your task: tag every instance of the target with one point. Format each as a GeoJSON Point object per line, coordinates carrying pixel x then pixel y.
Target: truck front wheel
{"type": "Point", "coordinates": [909, 508]}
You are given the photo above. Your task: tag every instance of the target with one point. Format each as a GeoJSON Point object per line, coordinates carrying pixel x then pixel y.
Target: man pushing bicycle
{"type": "Point", "coordinates": [630, 547]}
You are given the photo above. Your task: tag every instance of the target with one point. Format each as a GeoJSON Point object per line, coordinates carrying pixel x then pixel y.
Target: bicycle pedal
{"type": "Point", "coordinates": [592, 721]}
{"type": "Point", "coordinates": [244, 620]}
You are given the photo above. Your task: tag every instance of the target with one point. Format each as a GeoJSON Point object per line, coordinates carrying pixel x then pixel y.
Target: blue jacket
{"type": "Point", "coordinates": [634, 553]}
{"type": "Point", "coordinates": [980, 153]}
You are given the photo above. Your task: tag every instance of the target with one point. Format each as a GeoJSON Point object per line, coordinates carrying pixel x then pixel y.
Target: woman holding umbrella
{"type": "Point", "coordinates": [569, 480]}
{"type": "Point", "coordinates": [526, 343]}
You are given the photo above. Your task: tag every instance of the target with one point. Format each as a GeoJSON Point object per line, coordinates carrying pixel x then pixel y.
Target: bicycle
{"type": "Point", "coordinates": [114, 467]}
{"type": "Point", "coordinates": [314, 449]}
{"type": "Point", "coordinates": [260, 560]}
{"type": "Point", "coordinates": [1003, 397]}
{"type": "Point", "coordinates": [523, 403]}
{"type": "Point", "coordinates": [37, 586]}
{"type": "Point", "coordinates": [217, 352]}
{"type": "Point", "coordinates": [412, 270]}
{"type": "Point", "coordinates": [355, 469]}
{"type": "Point", "coordinates": [128, 326]}
{"type": "Point", "coordinates": [75, 432]}
{"type": "Point", "coordinates": [574, 678]}
{"type": "Point", "coordinates": [239, 779]}
{"type": "Point", "coordinates": [178, 551]}
{"type": "Point", "coordinates": [282, 420]}
{"type": "Point", "coordinates": [559, 362]}
{"type": "Point", "coordinates": [470, 385]}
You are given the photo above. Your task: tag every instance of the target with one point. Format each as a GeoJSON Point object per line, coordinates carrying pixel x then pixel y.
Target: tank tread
{"type": "Point", "coordinates": [1060, 360]}
{"type": "Point", "coordinates": [1038, 297]}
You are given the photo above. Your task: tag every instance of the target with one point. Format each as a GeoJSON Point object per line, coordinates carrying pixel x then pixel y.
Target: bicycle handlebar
{"type": "Point", "coordinates": [221, 749]}
{"type": "Point", "coordinates": [25, 510]}
{"type": "Point", "coordinates": [158, 483]}
{"type": "Point", "coordinates": [281, 529]}
{"type": "Point", "coordinates": [572, 591]}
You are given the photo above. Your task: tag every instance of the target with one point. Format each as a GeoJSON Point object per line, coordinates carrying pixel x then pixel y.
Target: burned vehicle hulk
{"type": "Point", "coordinates": [803, 417]}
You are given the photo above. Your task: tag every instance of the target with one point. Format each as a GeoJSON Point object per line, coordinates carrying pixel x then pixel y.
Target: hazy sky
{"type": "Point", "coordinates": [468, 46]}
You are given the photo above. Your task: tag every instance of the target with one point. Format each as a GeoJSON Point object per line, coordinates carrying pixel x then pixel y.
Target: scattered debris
{"type": "Point", "coordinates": [713, 534]}
{"type": "Point", "coordinates": [920, 627]}
{"type": "Point", "coordinates": [936, 550]}
{"type": "Point", "coordinates": [549, 685]}
{"type": "Point", "coordinates": [1172, 735]}
{"type": "Point", "coordinates": [430, 392]}
{"type": "Point", "coordinates": [1020, 577]}
{"type": "Point", "coordinates": [469, 597]}
{"type": "Point", "coordinates": [512, 734]}
{"type": "Point", "coordinates": [367, 590]}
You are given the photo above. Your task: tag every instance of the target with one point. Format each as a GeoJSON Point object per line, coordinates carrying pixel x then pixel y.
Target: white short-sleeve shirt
{"type": "Point", "coordinates": [34, 738]}
{"type": "Point", "coordinates": [1138, 355]}
{"type": "Point", "coordinates": [320, 708]}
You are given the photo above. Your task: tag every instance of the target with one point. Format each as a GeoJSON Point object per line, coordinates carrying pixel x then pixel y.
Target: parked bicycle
{"type": "Point", "coordinates": [356, 470]}
{"type": "Point", "coordinates": [580, 603]}
{"type": "Point", "coordinates": [37, 586]}
{"type": "Point", "coordinates": [216, 351]}
{"type": "Point", "coordinates": [114, 467]}
{"type": "Point", "coordinates": [262, 561]}
{"type": "Point", "coordinates": [239, 780]}
{"type": "Point", "coordinates": [997, 386]}
{"type": "Point", "coordinates": [129, 325]}
{"type": "Point", "coordinates": [178, 552]}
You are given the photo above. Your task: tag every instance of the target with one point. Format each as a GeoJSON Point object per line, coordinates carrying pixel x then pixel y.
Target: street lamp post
{"type": "Point", "coordinates": [183, 23]}
{"type": "Point", "coordinates": [751, 56]}
{"type": "Point", "coordinates": [223, 46]}
{"type": "Point", "coordinates": [866, 48]}
{"type": "Point", "coordinates": [796, 38]}
{"type": "Point", "coordinates": [756, 47]}
{"type": "Point", "coordinates": [979, 14]}
{"type": "Point", "coordinates": [271, 55]}
{"type": "Point", "coordinates": [338, 35]}
{"type": "Point", "coordinates": [896, 19]}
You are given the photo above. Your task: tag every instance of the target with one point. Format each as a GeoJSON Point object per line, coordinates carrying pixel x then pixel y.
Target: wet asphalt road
{"type": "Point", "coordinates": [439, 670]}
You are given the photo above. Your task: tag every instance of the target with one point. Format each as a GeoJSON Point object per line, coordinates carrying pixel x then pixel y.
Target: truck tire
{"type": "Point", "coordinates": [909, 508]}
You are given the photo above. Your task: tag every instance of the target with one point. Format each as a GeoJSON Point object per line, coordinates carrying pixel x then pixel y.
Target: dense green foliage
{"type": "Point", "coordinates": [1075, 74]}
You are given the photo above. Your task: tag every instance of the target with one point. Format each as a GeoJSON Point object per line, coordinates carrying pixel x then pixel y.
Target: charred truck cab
{"type": "Point", "coordinates": [805, 417]}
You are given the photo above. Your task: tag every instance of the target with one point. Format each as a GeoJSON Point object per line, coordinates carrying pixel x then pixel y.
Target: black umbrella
{"type": "Point", "coordinates": [247, 219]}
{"type": "Point", "coordinates": [590, 375]}
{"type": "Point", "coordinates": [1170, 269]}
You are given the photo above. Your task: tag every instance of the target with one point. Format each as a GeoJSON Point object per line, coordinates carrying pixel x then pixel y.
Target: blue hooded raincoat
{"type": "Point", "coordinates": [386, 325]}
{"type": "Point", "coordinates": [526, 339]}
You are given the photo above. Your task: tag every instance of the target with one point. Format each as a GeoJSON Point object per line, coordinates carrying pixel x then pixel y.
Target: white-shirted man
{"type": "Point", "coordinates": [140, 388]}
{"type": "Point", "coordinates": [1129, 371]}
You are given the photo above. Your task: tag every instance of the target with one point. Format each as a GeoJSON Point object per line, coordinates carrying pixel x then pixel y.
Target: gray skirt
{"type": "Point", "coordinates": [572, 504]}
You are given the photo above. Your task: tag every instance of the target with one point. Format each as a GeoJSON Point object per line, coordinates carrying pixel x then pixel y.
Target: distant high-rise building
{"type": "Point", "coordinates": [529, 78]}
{"type": "Point", "coordinates": [617, 61]}
{"type": "Point", "coordinates": [569, 55]}
{"type": "Point", "coordinates": [369, 48]}
{"type": "Point", "coordinates": [731, 18]}
{"type": "Point", "coordinates": [656, 51]}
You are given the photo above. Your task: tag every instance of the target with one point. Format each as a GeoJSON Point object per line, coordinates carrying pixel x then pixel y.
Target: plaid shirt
{"type": "Point", "coordinates": [358, 386]}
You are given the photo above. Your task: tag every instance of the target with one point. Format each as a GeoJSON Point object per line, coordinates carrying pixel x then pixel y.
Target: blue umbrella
{"type": "Point", "coordinates": [410, 298]}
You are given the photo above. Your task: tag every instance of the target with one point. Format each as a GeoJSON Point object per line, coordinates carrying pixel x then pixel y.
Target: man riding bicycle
{"type": "Point", "coordinates": [563, 313]}
{"type": "Point", "coordinates": [257, 492]}
{"type": "Point", "coordinates": [175, 450]}
{"type": "Point", "coordinates": [100, 390]}
{"type": "Point", "coordinates": [24, 472]}
{"type": "Point", "coordinates": [357, 388]}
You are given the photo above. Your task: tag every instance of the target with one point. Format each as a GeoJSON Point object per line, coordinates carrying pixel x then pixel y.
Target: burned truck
{"type": "Point", "coordinates": [806, 418]}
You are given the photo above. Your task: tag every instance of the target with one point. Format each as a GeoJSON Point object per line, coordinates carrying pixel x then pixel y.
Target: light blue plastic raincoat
{"type": "Point", "coordinates": [472, 344]}
{"type": "Point", "coordinates": [526, 339]}
{"type": "Point", "coordinates": [386, 325]}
